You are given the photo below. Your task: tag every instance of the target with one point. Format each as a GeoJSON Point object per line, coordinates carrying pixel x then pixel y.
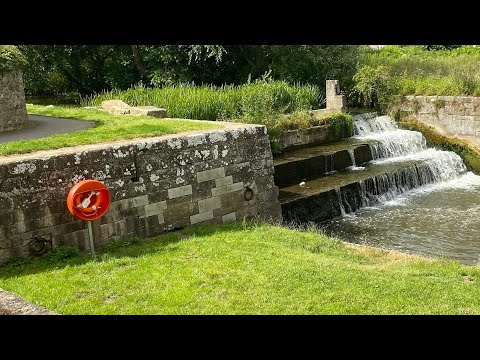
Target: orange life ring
{"type": "Point", "coordinates": [88, 199]}
{"type": "Point", "coordinates": [84, 203]}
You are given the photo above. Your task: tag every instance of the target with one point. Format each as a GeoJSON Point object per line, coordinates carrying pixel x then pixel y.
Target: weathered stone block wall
{"type": "Point", "coordinates": [452, 115]}
{"type": "Point", "coordinates": [13, 112]}
{"type": "Point", "coordinates": [157, 185]}
{"type": "Point", "coordinates": [315, 135]}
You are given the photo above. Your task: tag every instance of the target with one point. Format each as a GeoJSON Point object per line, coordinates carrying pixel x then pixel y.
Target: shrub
{"type": "Point", "coordinates": [11, 58]}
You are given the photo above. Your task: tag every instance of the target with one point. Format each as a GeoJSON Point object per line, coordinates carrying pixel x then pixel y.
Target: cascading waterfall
{"type": "Point", "coordinates": [394, 143]}
{"type": "Point", "coordinates": [386, 139]}
{"type": "Point", "coordinates": [374, 125]}
{"type": "Point", "coordinates": [389, 144]}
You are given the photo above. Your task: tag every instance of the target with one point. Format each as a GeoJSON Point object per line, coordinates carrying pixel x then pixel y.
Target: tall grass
{"type": "Point", "coordinates": [411, 70]}
{"type": "Point", "coordinates": [249, 102]}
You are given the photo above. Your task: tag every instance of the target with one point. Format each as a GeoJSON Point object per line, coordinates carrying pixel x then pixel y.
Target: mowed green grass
{"type": "Point", "coordinates": [108, 127]}
{"type": "Point", "coordinates": [245, 268]}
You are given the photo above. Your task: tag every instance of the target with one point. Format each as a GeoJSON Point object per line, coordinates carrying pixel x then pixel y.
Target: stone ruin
{"type": "Point", "coordinates": [13, 111]}
{"type": "Point", "coordinates": [335, 100]}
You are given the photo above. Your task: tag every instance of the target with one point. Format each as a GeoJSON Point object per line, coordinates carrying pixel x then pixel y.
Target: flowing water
{"type": "Point", "coordinates": [430, 208]}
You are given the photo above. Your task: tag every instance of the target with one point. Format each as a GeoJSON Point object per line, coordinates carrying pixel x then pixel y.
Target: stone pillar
{"type": "Point", "coordinates": [13, 111]}
{"type": "Point", "coordinates": [335, 100]}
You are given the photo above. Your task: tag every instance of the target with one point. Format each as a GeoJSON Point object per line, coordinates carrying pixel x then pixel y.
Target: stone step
{"type": "Point", "coordinates": [294, 166]}
{"type": "Point", "coordinates": [149, 111]}
{"type": "Point", "coordinates": [319, 199]}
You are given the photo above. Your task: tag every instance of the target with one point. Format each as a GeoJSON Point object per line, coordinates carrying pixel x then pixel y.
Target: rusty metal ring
{"type": "Point", "coordinates": [248, 193]}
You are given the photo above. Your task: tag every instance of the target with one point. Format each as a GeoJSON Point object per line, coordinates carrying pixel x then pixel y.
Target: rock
{"type": "Point", "coordinates": [149, 111]}
{"type": "Point", "coordinates": [116, 107]}
{"type": "Point", "coordinates": [13, 112]}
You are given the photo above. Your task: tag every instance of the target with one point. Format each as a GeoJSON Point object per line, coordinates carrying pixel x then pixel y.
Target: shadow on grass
{"type": "Point", "coordinates": [63, 257]}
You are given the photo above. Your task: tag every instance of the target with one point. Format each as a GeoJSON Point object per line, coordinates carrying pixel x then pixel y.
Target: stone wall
{"type": "Point", "coordinates": [451, 115]}
{"type": "Point", "coordinates": [157, 184]}
{"type": "Point", "coordinates": [13, 112]}
{"type": "Point", "coordinates": [315, 135]}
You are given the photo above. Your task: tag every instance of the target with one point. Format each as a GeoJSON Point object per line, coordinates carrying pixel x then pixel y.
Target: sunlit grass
{"type": "Point", "coordinates": [108, 127]}
{"type": "Point", "coordinates": [244, 269]}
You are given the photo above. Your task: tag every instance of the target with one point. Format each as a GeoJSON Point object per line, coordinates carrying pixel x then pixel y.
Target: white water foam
{"type": "Point", "coordinates": [378, 124]}
{"type": "Point", "coordinates": [394, 143]}
{"type": "Point", "coordinates": [428, 169]}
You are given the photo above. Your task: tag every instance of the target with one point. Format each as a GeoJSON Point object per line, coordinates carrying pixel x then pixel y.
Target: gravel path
{"type": "Point", "coordinates": [11, 304]}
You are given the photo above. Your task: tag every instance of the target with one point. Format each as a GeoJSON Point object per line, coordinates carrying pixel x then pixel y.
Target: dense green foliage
{"type": "Point", "coordinates": [84, 69]}
{"type": "Point", "coordinates": [77, 69]}
{"type": "Point", "coordinates": [108, 127]}
{"type": "Point", "coordinates": [11, 58]}
{"type": "Point", "coordinates": [413, 70]}
{"type": "Point", "coordinates": [243, 268]}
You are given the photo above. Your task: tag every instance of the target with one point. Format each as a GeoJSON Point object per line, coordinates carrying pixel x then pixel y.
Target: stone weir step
{"type": "Point", "coordinates": [327, 197]}
{"type": "Point", "coordinates": [294, 166]}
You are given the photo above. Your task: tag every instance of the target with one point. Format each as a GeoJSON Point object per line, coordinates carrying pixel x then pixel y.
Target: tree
{"type": "Point", "coordinates": [58, 69]}
{"type": "Point", "coordinates": [84, 69]}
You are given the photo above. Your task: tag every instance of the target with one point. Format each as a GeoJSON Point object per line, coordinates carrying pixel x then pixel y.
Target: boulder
{"type": "Point", "coordinates": [116, 107]}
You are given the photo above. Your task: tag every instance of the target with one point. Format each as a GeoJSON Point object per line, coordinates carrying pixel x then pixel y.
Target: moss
{"type": "Point", "coordinates": [342, 124]}
{"type": "Point", "coordinates": [416, 106]}
{"type": "Point", "coordinates": [439, 103]}
{"type": "Point", "coordinates": [11, 58]}
{"type": "Point", "coordinates": [469, 154]}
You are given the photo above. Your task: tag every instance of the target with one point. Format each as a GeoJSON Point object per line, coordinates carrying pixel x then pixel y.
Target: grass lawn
{"type": "Point", "coordinates": [244, 268]}
{"type": "Point", "coordinates": [108, 128]}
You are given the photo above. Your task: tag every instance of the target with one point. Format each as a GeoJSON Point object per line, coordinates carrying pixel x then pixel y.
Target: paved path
{"type": "Point", "coordinates": [11, 304]}
{"type": "Point", "coordinates": [44, 126]}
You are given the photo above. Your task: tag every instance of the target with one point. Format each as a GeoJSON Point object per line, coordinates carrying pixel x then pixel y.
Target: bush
{"type": "Point", "coordinates": [11, 58]}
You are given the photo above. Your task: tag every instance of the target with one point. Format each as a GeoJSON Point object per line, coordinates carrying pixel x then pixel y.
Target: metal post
{"type": "Point", "coordinates": [90, 237]}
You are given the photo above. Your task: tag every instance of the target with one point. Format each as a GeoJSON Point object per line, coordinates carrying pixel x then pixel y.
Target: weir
{"type": "Point", "coordinates": [378, 163]}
